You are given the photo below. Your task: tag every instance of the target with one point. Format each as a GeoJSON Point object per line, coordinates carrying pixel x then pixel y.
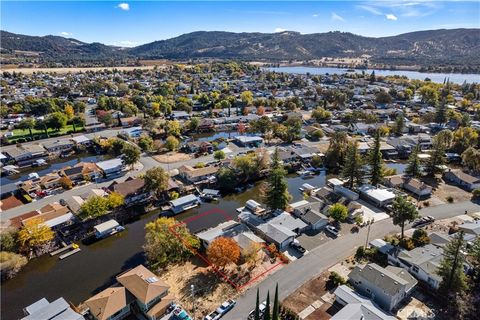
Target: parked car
{"type": "Point", "coordinates": [298, 246]}
{"type": "Point", "coordinates": [423, 221]}
{"type": "Point", "coordinates": [262, 308]}
{"type": "Point", "coordinates": [333, 231]}
{"type": "Point", "coordinates": [221, 311]}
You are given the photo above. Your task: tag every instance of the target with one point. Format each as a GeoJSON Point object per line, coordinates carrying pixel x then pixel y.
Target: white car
{"type": "Point", "coordinates": [332, 230]}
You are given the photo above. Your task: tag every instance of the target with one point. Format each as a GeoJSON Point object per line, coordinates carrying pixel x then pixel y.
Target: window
{"type": "Point", "coordinates": [415, 269]}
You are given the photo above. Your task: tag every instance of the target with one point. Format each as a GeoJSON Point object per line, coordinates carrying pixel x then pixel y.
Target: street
{"type": "Point", "coordinates": [296, 273]}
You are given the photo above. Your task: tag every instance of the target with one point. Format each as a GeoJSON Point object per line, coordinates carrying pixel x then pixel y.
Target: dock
{"type": "Point", "coordinates": [54, 253]}
{"type": "Point", "coordinates": [68, 254]}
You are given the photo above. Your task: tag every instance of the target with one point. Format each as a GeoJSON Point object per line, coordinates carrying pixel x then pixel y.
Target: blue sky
{"type": "Point", "coordinates": [132, 23]}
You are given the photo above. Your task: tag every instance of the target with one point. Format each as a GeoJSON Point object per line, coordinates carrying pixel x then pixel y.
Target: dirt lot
{"type": "Point", "coordinates": [444, 190]}
{"type": "Point", "coordinates": [172, 157]}
{"type": "Point", "coordinates": [10, 202]}
{"type": "Point", "coordinates": [311, 293]}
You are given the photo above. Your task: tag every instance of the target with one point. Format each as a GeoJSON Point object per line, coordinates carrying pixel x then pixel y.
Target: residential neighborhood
{"type": "Point", "coordinates": [193, 191]}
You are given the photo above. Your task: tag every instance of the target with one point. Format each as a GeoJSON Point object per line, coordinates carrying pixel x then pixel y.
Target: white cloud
{"type": "Point", "coordinates": [124, 6]}
{"type": "Point", "coordinates": [370, 9]}
{"type": "Point", "coordinates": [315, 15]}
{"type": "Point", "coordinates": [391, 16]}
{"type": "Point", "coordinates": [280, 30]}
{"type": "Point", "coordinates": [65, 34]}
{"type": "Point", "coordinates": [336, 17]}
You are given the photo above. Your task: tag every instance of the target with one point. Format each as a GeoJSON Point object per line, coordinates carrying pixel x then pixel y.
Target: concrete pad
{"type": "Point", "coordinates": [328, 297]}
{"type": "Point", "coordinates": [306, 312]}
{"type": "Point", "coordinates": [317, 304]}
{"type": "Point", "coordinates": [341, 269]}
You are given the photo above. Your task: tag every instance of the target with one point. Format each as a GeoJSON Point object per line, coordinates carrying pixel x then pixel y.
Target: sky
{"type": "Point", "coordinates": [133, 23]}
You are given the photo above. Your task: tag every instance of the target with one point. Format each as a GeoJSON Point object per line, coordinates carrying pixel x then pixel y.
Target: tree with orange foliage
{"type": "Point", "coordinates": [223, 251]}
{"type": "Point", "coordinates": [260, 111]}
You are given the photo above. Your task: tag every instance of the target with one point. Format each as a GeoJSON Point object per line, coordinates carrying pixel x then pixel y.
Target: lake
{"type": "Point", "coordinates": [458, 78]}
{"type": "Point", "coordinates": [95, 267]}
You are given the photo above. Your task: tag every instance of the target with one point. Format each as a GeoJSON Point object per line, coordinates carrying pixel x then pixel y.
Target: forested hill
{"type": "Point", "coordinates": [453, 46]}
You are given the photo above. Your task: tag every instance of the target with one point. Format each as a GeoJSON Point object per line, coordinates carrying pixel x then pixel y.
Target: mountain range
{"type": "Point", "coordinates": [424, 48]}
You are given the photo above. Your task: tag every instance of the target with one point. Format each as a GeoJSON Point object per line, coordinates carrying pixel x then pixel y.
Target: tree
{"type": "Point", "coordinates": [414, 166]}
{"type": "Point", "coordinates": [463, 138]}
{"type": "Point", "coordinates": [94, 207]}
{"type": "Point", "coordinates": [451, 267]}
{"type": "Point", "coordinates": [42, 125]}
{"type": "Point", "coordinates": [56, 120]}
{"type": "Point", "coordinates": [474, 253]}
{"type": "Point", "coordinates": [145, 143]}
{"type": "Point", "coordinates": [11, 263]}
{"type": "Point", "coordinates": [226, 179]}
{"type": "Point", "coordinates": [444, 138]}
{"type": "Point", "coordinates": [471, 159]}
{"type": "Point", "coordinates": [275, 193]}
{"type": "Point", "coordinates": [246, 165]}
{"type": "Point", "coordinates": [316, 161]}
{"type": "Point", "coordinates": [8, 241]}
{"type": "Point", "coordinates": [399, 124]}
{"type": "Point", "coordinates": [27, 123]}
{"type": "Point", "coordinates": [172, 143]}
{"type": "Point", "coordinates": [266, 313]}
{"type": "Point", "coordinates": [376, 162]}
{"type": "Point", "coordinates": [34, 233]}
{"type": "Point", "coordinates": [257, 307]}
{"type": "Point", "coordinates": [441, 112]}
{"type": "Point", "coordinates": [353, 167]}
{"type": "Point", "coordinates": [66, 183]}
{"type": "Point", "coordinates": [383, 96]}
{"type": "Point", "coordinates": [321, 115]}
{"type": "Point", "coordinates": [219, 155]}
{"type": "Point", "coordinates": [174, 128]}
{"type": "Point", "coordinates": [403, 211]}
{"type": "Point", "coordinates": [194, 123]}
{"type": "Point", "coordinates": [156, 181]}
{"type": "Point", "coordinates": [168, 241]}
{"type": "Point", "coordinates": [338, 212]}
{"type": "Point", "coordinates": [336, 149]}
{"type": "Point", "coordinates": [223, 251]}
{"type": "Point", "coordinates": [131, 154]}
{"type": "Point", "coordinates": [436, 158]}
{"type": "Point", "coordinates": [246, 97]}
{"type": "Point", "coordinates": [115, 200]}
{"type": "Point", "coordinates": [77, 121]}
{"type": "Point", "coordinates": [69, 112]}
{"type": "Point", "coordinates": [420, 237]}
{"type": "Point", "coordinates": [276, 306]}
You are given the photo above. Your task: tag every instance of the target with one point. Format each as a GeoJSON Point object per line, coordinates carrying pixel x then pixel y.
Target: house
{"type": "Point", "coordinates": [132, 190]}
{"type": "Point", "coordinates": [56, 310]}
{"type": "Point", "coordinates": [387, 287]}
{"type": "Point", "coordinates": [254, 207]}
{"type": "Point", "coordinates": [196, 175]}
{"type": "Point", "coordinates": [415, 186]}
{"type": "Point", "coordinates": [90, 170]}
{"type": "Point", "coordinates": [287, 156]}
{"type": "Point", "coordinates": [458, 177]}
{"type": "Point", "coordinates": [52, 215]}
{"type": "Point", "coordinates": [206, 125]}
{"type": "Point", "coordinates": [133, 132]}
{"type": "Point", "coordinates": [58, 146]}
{"type": "Point", "coordinates": [184, 203]}
{"type": "Point", "coordinates": [310, 213]}
{"type": "Point", "coordinates": [73, 173]}
{"type": "Point", "coordinates": [356, 307]}
{"type": "Point", "coordinates": [249, 141]}
{"type": "Point", "coordinates": [113, 303]}
{"type": "Point", "coordinates": [150, 293]}
{"type": "Point", "coordinates": [378, 196]}
{"type": "Point", "coordinates": [421, 262]}
{"type": "Point", "coordinates": [24, 155]}
{"type": "Point", "coordinates": [81, 140]}
{"type": "Point", "coordinates": [111, 168]}
{"type": "Point", "coordinates": [129, 121]}
{"type": "Point", "coordinates": [471, 227]}
{"type": "Point", "coordinates": [50, 181]}
{"type": "Point", "coordinates": [178, 115]}
{"type": "Point", "coordinates": [199, 146]}
{"type": "Point", "coordinates": [230, 229]}
{"type": "Point", "coordinates": [282, 229]}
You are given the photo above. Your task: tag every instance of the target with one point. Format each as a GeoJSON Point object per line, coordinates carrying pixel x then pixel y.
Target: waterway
{"type": "Point", "coordinates": [95, 267]}
{"type": "Point", "coordinates": [458, 78]}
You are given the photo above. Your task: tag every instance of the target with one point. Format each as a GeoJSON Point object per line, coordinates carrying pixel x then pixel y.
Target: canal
{"type": "Point", "coordinates": [94, 268]}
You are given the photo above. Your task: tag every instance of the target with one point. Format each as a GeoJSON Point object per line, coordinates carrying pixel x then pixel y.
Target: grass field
{"type": "Point", "coordinates": [22, 134]}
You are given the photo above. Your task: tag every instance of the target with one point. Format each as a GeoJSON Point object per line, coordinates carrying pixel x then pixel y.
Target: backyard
{"type": "Point", "coordinates": [24, 133]}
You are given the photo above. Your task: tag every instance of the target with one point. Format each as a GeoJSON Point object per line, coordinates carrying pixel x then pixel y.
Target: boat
{"type": "Point", "coordinates": [107, 229]}
{"type": "Point", "coordinates": [39, 162]}
{"type": "Point", "coordinates": [210, 195]}
{"type": "Point", "coordinates": [184, 203]}
{"type": "Point", "coordinates": [305, 173]}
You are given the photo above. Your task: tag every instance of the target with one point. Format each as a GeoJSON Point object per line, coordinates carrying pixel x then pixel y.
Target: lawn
{"type": "Point", "coordinates": [20, 133]}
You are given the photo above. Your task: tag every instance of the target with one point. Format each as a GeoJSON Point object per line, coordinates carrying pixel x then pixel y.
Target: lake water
{"type": "Point", "coordinates": [458, 78]}
{"type": "Point", "coordinates": [95, 267]}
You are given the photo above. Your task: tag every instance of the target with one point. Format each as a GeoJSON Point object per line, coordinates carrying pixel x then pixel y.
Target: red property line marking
{"type": "Point", "coordinates": [227, 217]}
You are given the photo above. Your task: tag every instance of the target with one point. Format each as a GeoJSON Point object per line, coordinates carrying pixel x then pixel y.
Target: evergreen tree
{"type": "Point", "coordinates": [376, 162]}
{"type": "Point", "coordinates": [399, 124]}
{"type": "Point", "coordinates": [336, 150]}
{"type": "Point", "coordinates": [276, 305]}
{"type": "Point", "coordinates": [275, 192]}
{"type": "Point", "coordinates": [353, 168]}
{"type": "Point", "coordinates": [451, 268]}
{"type": "Point", "coordinates": [266, 314]}
{"type": "Point", "coordinates": [257, 307]}
{"type": "Point", "coordinates": [436, 158]}
{"type": "Point", "coordinates": [413, 167]}
{"type": "Point", "coordinates": [403, 211]}
{"type": "Point", "coordinates": [441, 112]}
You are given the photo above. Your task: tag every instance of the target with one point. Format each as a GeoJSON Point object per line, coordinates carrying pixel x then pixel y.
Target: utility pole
{"type": "Point", "coordinates": [192, 288]}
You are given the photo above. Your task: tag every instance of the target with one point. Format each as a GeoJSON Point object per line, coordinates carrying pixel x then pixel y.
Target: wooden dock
{"type": "Point", "coordinates": [54, 253]}
{"type": "Point", "coordinates": [68, 254]}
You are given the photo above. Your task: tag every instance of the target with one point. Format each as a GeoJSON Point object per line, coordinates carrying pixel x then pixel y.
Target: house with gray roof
{"type": "Point", "coordinates": [310, 213]}
{"type": "Point", "coordinates": [230, 229]}
{"type": "Point", "coordinates": [56, 310]}
{"type": "Point", "coordinates": [385, 286]}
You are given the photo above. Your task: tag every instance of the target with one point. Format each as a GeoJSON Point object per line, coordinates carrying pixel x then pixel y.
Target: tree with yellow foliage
{"type": "Point", "coordinates": [69, 111]}
{"type": "Point", "coordinates": [34, 234]}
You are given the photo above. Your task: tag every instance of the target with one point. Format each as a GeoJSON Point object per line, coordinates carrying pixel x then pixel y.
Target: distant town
{"type": "Point", "coordinates": [225, 189]}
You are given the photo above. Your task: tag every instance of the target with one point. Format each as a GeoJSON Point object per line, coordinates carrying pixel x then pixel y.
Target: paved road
{"type": "Point", "coordinates": [295, 274]}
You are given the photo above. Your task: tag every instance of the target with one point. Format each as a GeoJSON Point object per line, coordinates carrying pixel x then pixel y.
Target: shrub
{"type": "Point", "coordinates": [407, 244]}
{"type": "Point", "coordinates": [450, 199]}
{"type": "Point", "coordinates": [10, 264]}
{"type": "Point", "coordinates": [420, 237]}
{"type": "Point", "coordinates": [335, 280]}
{"type": "Point", "coordinates": [66, 183]}
{"type": "Point", "coordinates": [426, 203]}
{"type": "Point", "coordinates": [360, 253]}
{"type": "Point", "coordinates": [476, 193]}
{"type": "Point", "coordinates": [283, 258]}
